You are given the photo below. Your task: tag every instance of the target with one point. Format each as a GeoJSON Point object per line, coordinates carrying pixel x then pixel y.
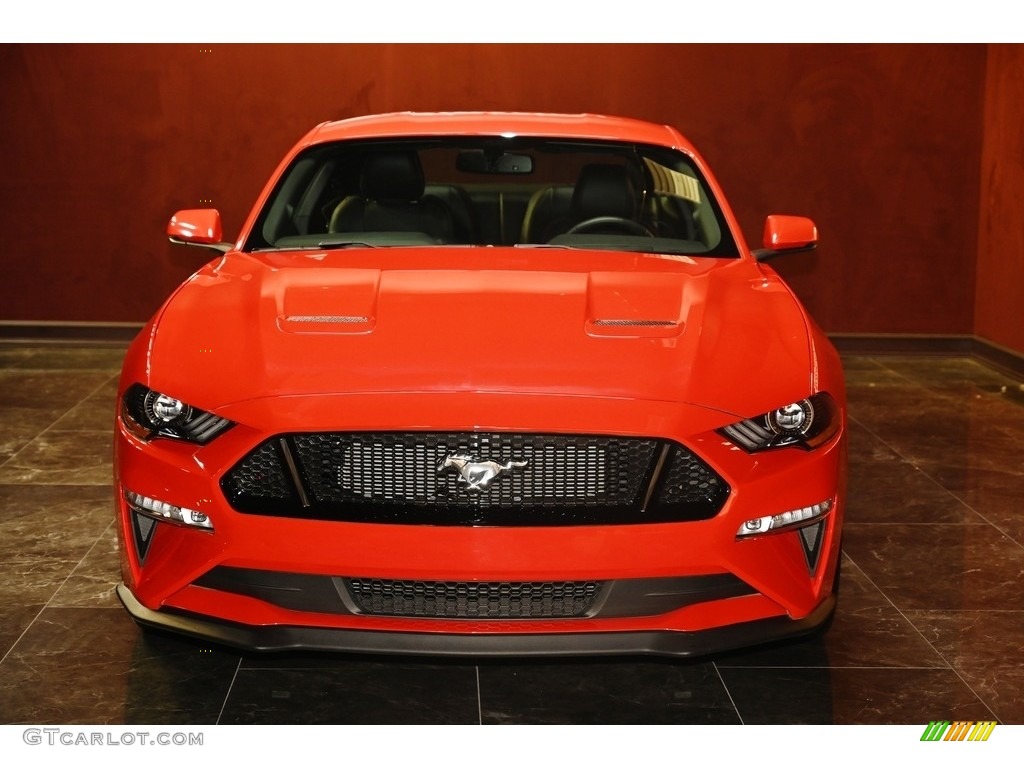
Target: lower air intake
{"type": "Point", "coordinates": [473, 600]}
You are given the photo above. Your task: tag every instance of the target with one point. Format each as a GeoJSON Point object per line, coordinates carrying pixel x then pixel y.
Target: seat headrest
{"type": "Point", "coordinates": [392, 176]}
{"type": "Point", "coordinates": [604, 190]}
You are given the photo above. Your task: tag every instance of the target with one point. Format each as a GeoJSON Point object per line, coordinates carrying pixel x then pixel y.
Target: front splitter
{"type": "Point", "coordinates": [278, 638]}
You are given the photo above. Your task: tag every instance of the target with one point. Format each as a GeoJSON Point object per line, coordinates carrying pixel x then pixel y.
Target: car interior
{"type": "Point", "coordinates": [602, 196]}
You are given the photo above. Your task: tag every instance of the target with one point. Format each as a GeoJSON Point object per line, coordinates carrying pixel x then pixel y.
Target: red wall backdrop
{"type": "Point", "coordinates": [999, 313]}
{"type": "Point", "coordinates": [880, 144]}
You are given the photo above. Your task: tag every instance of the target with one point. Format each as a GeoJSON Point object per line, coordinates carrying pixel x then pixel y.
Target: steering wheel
{"type": "Point", "coordinates": [611, 222]}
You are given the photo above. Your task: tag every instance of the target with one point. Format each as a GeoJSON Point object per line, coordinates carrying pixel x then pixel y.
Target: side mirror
{"type": "Point", "coordinates": [787, 234]}
{"type": "Point", "coordinates": [200, 227]}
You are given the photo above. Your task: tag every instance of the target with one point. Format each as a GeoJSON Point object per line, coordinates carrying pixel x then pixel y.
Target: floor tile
{"type": "Point", "coordinates": [1000, 687]}
{"type": "Point", "coordinates": [985, 648]}
{"type": "Point", "coordinates": [355, 692]}
{"type": "Point", "coordinates": [62, 458]}
{"type": "Point", "coordinates": [994, 495]}
{"type": "Point", "coordinates": [21, 425]}
{"type": "Point", "coordinates": [980, 639]}
{"type": "Point", "coordinates": [15, 618]}
{"type": "Point", "coordinates": [93, 665]}
{"type": "Point", "coordinates": [45, 531]}
{"type": "Point", "coordinates": [622, 692]}
{"type": "Point", "coordinates": [61, 390]}
{"type": "Point", "coordinates": [13, 355]}
{"type": "Point", "coordinates": [937, 567]}
{"type": "Point", "coordinates": [846, 696]}
{"type": "Point", "coordinates": [945, 374]}
{"type": "Point", "coordinates": [92, 582]}
{"type": "Point", "coordinates": [883, 487]}
{"type": "Point", "coordinates": [95, 413]}
{"type": "Point", "coordinates": [71, 358]}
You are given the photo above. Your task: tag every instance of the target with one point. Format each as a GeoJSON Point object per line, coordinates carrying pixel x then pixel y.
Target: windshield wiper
{"type": "Point", "coordinates": [543, 245]}
{"type": "Point", "coordinates": [326, 245]}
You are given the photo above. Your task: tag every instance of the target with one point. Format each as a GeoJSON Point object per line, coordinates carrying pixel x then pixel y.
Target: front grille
{"type": "Point", "coordinates": [473, 600]}
{"type": "Point", "coordinates": [474, 478]}
{"type": "Point", "coordinates": [260, 475]}
{"type": "Point", "coordinates": [688, 480]}
{"type": "Point", "coordinates": [406, 469]}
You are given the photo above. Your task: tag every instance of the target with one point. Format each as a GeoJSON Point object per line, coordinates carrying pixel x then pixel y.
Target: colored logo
{"type": "Point", "coordinates": [959, 730]}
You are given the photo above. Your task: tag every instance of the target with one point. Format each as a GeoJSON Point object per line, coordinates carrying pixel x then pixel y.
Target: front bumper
{"type": "Point", "coordinates": [169, 585]}
{"type": "Point", "coordinates": [653, 642]}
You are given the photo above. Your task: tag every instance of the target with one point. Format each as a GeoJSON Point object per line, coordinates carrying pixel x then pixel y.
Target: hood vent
{"type": "Point", "coordinates": [344, 324]}
{"type": "Point", "coordinates": [326, 319]}
{"type": "Point", "coordinates": [629, 323]}
{"type": "Point", "coordinates": [649, 328]}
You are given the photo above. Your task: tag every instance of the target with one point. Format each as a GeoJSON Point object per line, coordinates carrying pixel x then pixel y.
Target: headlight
{"type": "Point", "coordinates": [148, 413]}
{"type": "Point", "coordinates": [805, 424]}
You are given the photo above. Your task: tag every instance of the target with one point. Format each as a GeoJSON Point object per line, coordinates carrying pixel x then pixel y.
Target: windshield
{"type": "Point", "coordinates": [493, 192]}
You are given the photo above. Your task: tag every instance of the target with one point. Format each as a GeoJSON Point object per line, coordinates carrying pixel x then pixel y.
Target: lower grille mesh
{"type": "Point", "coordinates": [440, 599]}
{"type": "Point", "coordinates": [472, 600]}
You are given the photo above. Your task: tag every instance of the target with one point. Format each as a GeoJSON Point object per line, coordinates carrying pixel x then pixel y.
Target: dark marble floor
{"type": "Point", "coordinates": [930, 623]}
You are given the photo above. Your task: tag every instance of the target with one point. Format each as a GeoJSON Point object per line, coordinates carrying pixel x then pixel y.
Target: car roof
{"type": "Point", "coordinates": [572, 126]}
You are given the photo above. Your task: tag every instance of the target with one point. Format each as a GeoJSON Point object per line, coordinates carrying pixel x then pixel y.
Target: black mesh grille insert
{"type": "Point", "coordinates": [260, 475]}
{"type": "Point", "coordinates": [471, 600]}
{"type": "Point", "coordinates": [689, 480]}
{"type": "Point", "coordinates": [560, 471]}
{"type": "Point", "coordinates": [474, 478]}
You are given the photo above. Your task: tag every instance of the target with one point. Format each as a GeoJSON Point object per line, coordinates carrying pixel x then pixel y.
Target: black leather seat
{"type": "Point", "coordinates": [392, 199]}
{"type": "Point", "coordinates": [602, 190]}
{"type": "Point", "coordinates": [548, 213]}
{"type": "Point", "coordinates": [462, 209]}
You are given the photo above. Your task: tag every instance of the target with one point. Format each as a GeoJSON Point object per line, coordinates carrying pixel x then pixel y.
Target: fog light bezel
{"type": "Point", "coordinates": [790, 520]}
{"type": "Point", "coordinates": [165, 512]}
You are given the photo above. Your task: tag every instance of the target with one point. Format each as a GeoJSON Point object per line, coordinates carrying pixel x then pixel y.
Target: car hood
{"type": "Point", "coordinates": [722, 333]}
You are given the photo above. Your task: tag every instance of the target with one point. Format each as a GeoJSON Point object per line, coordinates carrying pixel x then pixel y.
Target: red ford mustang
{"type": "Point", "coordinates": [492, 384]}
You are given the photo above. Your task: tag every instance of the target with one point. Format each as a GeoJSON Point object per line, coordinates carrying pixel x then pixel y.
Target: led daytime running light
{"type": "Point", "coordinates": [771, 523]}
{"type": "Point", "coordinates": [161, 510]}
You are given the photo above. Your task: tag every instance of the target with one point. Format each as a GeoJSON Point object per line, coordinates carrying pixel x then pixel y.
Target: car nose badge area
{"type": "Point", "coordinates": [478, 475]}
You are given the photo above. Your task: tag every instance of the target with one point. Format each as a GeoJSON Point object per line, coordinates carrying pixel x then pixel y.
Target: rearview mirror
{"type": "Point", "coordinates": [486, 161]}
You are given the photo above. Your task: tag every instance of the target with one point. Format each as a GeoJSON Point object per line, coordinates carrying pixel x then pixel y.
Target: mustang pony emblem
{"type": "Point", "coordinates": [477, 475]}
